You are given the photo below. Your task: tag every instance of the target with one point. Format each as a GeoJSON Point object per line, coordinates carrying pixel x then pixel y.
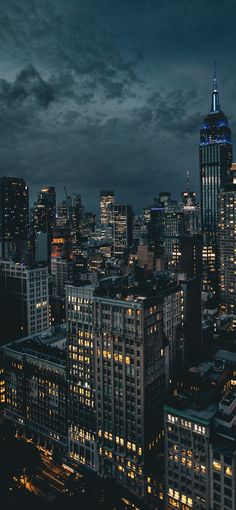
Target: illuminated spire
{"type": "Point", "coordinates": [215, 104]}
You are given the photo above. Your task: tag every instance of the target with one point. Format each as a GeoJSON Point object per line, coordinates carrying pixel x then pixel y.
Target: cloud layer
{"type": "Point", "coordinates": [96, 94]}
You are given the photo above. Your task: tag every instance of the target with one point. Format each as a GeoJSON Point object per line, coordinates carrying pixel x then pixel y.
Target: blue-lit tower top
{"type": "Point", "coordinates": [215, 126]}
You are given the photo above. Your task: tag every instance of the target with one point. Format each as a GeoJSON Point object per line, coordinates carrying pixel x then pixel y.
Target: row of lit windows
{"type": "Point", "coordinates": [186, 423]}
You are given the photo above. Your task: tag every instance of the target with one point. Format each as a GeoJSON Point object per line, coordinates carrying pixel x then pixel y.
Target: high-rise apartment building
{"type": "Point", "coordinates": [23, 294]}
{"type": "Point", "coordinates": [122, 229]}
{"type": "Point", "coordinates": [227, 245]}
{"type": "Point", "coordinates": [14, 216]}
{"type": "Point", "coordinates": [107, 199]}
{"type": "Point", "coordinates": [215, 154]}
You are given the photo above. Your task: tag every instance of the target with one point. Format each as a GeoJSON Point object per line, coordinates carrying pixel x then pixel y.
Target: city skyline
{"type": "Point", "coordinates": [118, 254]}
{"type": "Point", "coordinates": [90, 107]}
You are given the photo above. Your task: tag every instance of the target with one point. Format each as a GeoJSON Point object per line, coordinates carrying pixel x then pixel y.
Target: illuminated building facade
{"type": "Point", "coordinates": [173, 228]}
{"type": "Point", "coordinates": [24, 291]}
{"type": "Point", "coordinates": [62, 214]}
{"type": "Point", "coordinates": [215, 154]}
{"type": "Point", "coordinates": [2, 387]}
{"type": "Point", "coordinates": [227, 245]}
{"type": "Point", "coordinates": [200, 446]}
{"type": "Point", "coordinates": [14, 217]}
{"type": "Point", "coordinates": [107, 199]}
{"type": "Point", "coordinates": [131, 374]}
{"type": "Point", "coordinates": [122, 229]}
{"type": "Point", "coordinates": [61, 243]}
{"type": "Point", "coordinates": [80, 366]}
{"type": "Point", "coordinates": [122, 344]}
{"type": "Point", "coordinates": [36, 392]}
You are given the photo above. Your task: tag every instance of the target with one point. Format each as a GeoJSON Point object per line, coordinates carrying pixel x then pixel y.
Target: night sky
{"type": "Point", "coordinates": [111, 93]}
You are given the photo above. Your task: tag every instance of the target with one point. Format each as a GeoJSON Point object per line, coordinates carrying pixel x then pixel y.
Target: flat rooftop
{"type": "Point", "coordinates": [130, 288]}
{"type": "Point", "coordinates": [41, 346]}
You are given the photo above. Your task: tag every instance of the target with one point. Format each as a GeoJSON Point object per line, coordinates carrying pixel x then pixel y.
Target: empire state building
{"type": "Point", "coordinates": [215, 161]}
{"type": "Point", "coordinates": [215, 154]}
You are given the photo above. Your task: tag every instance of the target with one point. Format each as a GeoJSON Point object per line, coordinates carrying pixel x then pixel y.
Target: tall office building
{"type": "Point", "coordinates": [45, 210]}
{"type": "Point", "coordinates": [191, 210]}
{"type": "Point", "coordinates": [227, 245]}
{"type": "Point", "coordinates": [24, 292]}
{"type": "Point", "coordinates": [107, 199]}
{"type": "Point", "coordinates": [62, 214]}
{"type": "Point", "coordinates": [155, 229]}
{"type": "Point", "coordinates": [81, 404]}
{"type": "Point", "coordinates": [173, 228]}
{"type": "Point", "coordinates": [215, 154]}
{"type": "Point", "coordinates": [14, 216]}
{"type": "Point", "coordinates": [75, 215]}
{"type": "Point", "coordinates": [122, 343]}
{"type": "Point", "coordinates": [122, 229]}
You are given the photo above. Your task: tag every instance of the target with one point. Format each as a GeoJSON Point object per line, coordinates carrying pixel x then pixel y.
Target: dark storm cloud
{"type": "Point", "coordinates": [97, 93]}
{"type": "Point", "coordinates": [28, 84]}
{"type": "Point", "coordinates": [173, 113]}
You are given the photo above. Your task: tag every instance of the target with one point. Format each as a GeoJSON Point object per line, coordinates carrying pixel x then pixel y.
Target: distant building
{"type": "Point", "coordinates": [122, 229]}
{"type": "Point", "coordinates": [14, 217]}
{"type": "Point", "coordinates": [173, 228]}
{"type": "Point", "coordinates": [45, 210]}
{"type": "Point", "coordinates": [107, 199]}
{"type": "Point", "coordinates": [42, 248]}
{"type": "Point", "coordinates": [62, 272]}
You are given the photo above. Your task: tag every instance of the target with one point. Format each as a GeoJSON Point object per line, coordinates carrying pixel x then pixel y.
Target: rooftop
{"type": "Point", "coordinates": [43, 346]}
{"type": "Point", "coordinates": [131, 288]}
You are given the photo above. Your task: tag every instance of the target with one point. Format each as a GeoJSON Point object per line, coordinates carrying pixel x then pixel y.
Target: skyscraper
{"type": "Point", "coordinates": [227, 245]}
{"type": "Point", "coordinates": [215, 155]}
{"type": "Point", "coordinates": [107, 199]}
{"type": "Point", "coordinates": [45, 210]}
{"type": "Point", "coordinates": [122, 229]}
{"type": "Point", "coordinates": [14, 216]}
